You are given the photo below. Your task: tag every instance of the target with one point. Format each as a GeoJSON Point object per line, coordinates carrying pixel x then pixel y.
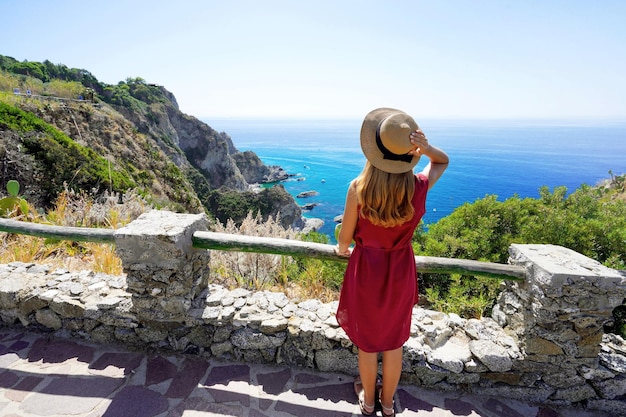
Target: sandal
{"type": "Point", "coordinates": [366, 409]}
{"type": "Point", "coordinates": [387, 411]}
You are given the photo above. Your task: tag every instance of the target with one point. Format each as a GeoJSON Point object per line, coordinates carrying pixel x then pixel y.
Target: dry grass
{"type": "Point", "coordinates": [251, 270]}
{"type": "Point", "coordinates": [77, 210]}
{"type": "Point", "coordinates": [298, 278]}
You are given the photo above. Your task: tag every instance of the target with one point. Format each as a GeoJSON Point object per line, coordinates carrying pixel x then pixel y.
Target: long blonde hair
{"type": "Point", "coordinates": [385, 198]}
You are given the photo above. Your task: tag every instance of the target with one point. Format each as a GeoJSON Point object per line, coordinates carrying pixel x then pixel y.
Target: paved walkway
{"type": "Point", "coordinates": [42, 376]}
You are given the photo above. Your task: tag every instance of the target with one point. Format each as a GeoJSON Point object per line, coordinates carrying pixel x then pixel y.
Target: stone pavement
{"type": "Point", "coordinates": [47, 376]}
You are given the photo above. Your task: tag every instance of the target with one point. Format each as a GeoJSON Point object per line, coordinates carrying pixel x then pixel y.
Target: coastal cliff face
{"type": "Point", "coordinates": [208, 151]}
{"type": "Point", "coordinates": [139, 132]}
{"type": "Point", "coordinates": [255, 172]}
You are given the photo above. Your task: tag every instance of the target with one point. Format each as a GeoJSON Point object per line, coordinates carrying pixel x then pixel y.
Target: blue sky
{"type": "Point", "coordinates": [482, 59]}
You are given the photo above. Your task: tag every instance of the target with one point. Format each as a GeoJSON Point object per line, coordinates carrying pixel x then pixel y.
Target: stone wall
{"type": "Point", "coordinates": [545, 343]}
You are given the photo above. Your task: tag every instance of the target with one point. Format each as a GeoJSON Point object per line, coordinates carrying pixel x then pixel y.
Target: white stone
{"type": "Point", "coordinates": [240, 292]}
{"type": "Point", "coordinates": [228, 300]}
{"type": "Point", "coordinates": [323, 313]}
{"type": "Point", "coordinates": [109, 303]}
{"type": "Point", "coordinates": [228, 313]}
{"type": "Point", "coordinates": [453, 354]}
{"type": "Point", "coordinates": [211, 313]}
{"type": "Point", "coordinates": [97, 286]}
{"type": "Point", "coordinates": [493, 356]}
{"type": "Point", "coordinates": [596, 374]}
{"type": "Point", "coordinates": [310, 305]}
{"type": "Point", "coordinates": [307, 325]}
{"type": "Point", "coordinates": [456, 320]}
{"type": "Point", "coordinates": [49, 295]}
{"type": "Point", "coordinates": [473, 366]}
{"type": "Point", "coordinates": [613, 361]}
{"type": "Point", "coordinates": [273, 325]}
{"type": "Point", "coordinates": [215, 297]}
{"type": "Point", "coordinates": [331, 321]}
{"type": "Point", "coordinates": [563, 264]}
{"type": "Point", "coordinates": [435, 315]}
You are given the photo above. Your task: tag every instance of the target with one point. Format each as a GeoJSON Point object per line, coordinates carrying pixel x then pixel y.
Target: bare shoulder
{"type": "Point", "coordinates": [352, 195]}
{"type": "Point", "coordinates": [352, 187]}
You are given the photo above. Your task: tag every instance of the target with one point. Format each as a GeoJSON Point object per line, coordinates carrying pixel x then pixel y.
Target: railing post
{"type": "Point", "coordinates": [165, 274]}
{"type": "Point", "coordinates": [559, 313]}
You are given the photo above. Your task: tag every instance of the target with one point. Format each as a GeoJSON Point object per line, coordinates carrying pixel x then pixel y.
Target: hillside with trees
{"type": "Point", "coordinates": [62, 128]}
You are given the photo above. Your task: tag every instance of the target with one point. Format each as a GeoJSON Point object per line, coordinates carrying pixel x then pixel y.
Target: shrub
{"type": "Point", "coordinates": [300, 277]}
{"type": "Point", "coordinates": [586, 221]}
{"type": "Point", "coordinates": [63, 161]}
{"type": "Point", "coordinates": [246, 269]}
{"type": "Point", "coordinates": [321, 279]}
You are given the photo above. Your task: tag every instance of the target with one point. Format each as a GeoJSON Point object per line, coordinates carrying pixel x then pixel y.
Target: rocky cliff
{"type": "Point", "coordinates": [255, 172]}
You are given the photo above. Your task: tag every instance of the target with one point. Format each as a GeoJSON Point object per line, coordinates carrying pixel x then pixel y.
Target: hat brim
{"type": "Point", "coordinates": [370, 149]}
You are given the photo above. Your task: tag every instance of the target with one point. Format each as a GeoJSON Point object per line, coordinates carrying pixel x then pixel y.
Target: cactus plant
{"type": "Point", "coordinates": [13, 204]}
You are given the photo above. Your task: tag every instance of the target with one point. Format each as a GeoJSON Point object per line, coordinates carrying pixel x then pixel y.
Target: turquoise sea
{"type": "Point", "coordinates": [486, 157]}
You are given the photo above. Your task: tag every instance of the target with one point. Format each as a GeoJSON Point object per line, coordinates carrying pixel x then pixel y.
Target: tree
{"type": "Point", "coordinates": [32, 69]}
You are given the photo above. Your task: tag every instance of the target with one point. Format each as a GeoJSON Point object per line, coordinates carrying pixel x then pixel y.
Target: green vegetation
{"type": "Point", "coordinates": [32, 69]}
{"type": "Point", "coordinates": [13, 204]}
{"type": "Point", "coordinates": [62, 160]}
{"type": "Point", "coordinates": [228, 205]}
{"type": "Point", "coordinates": [47, 71]}
{"type": "Point", "coordinates": [47, 79]}
{"type": "Point", "coordinates": [321, 278]}
{"type": "Point", "coordinates": [134, 94]}
{"type": "Point", "coordinates": [591, 221]}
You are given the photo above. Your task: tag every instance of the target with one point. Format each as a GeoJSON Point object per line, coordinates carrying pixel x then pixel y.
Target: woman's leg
{"type": "Point", "coordinates": [368, 369]}
{"type": "Point", "coordinates": [392, 368]}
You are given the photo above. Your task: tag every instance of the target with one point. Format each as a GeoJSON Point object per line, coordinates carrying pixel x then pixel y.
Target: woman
{"type": "Point", "coordinates": [384, 205]}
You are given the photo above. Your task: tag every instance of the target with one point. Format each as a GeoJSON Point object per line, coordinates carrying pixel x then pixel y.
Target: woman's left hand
{"type": "Point", "coordinates": [345, 254]}
{"type": "Point", "coordinates": [419, 141]}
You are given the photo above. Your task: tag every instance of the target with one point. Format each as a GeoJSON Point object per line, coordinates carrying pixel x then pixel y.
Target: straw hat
{"type": "Point", "coordinates": [385, 140]}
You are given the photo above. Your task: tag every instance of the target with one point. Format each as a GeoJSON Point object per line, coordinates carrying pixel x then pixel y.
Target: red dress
{"type": "Point", "coordinates": [380, 284]}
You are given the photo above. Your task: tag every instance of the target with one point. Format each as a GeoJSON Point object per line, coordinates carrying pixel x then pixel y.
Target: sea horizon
{"type": "Point", "coordinates": [502, 157]}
